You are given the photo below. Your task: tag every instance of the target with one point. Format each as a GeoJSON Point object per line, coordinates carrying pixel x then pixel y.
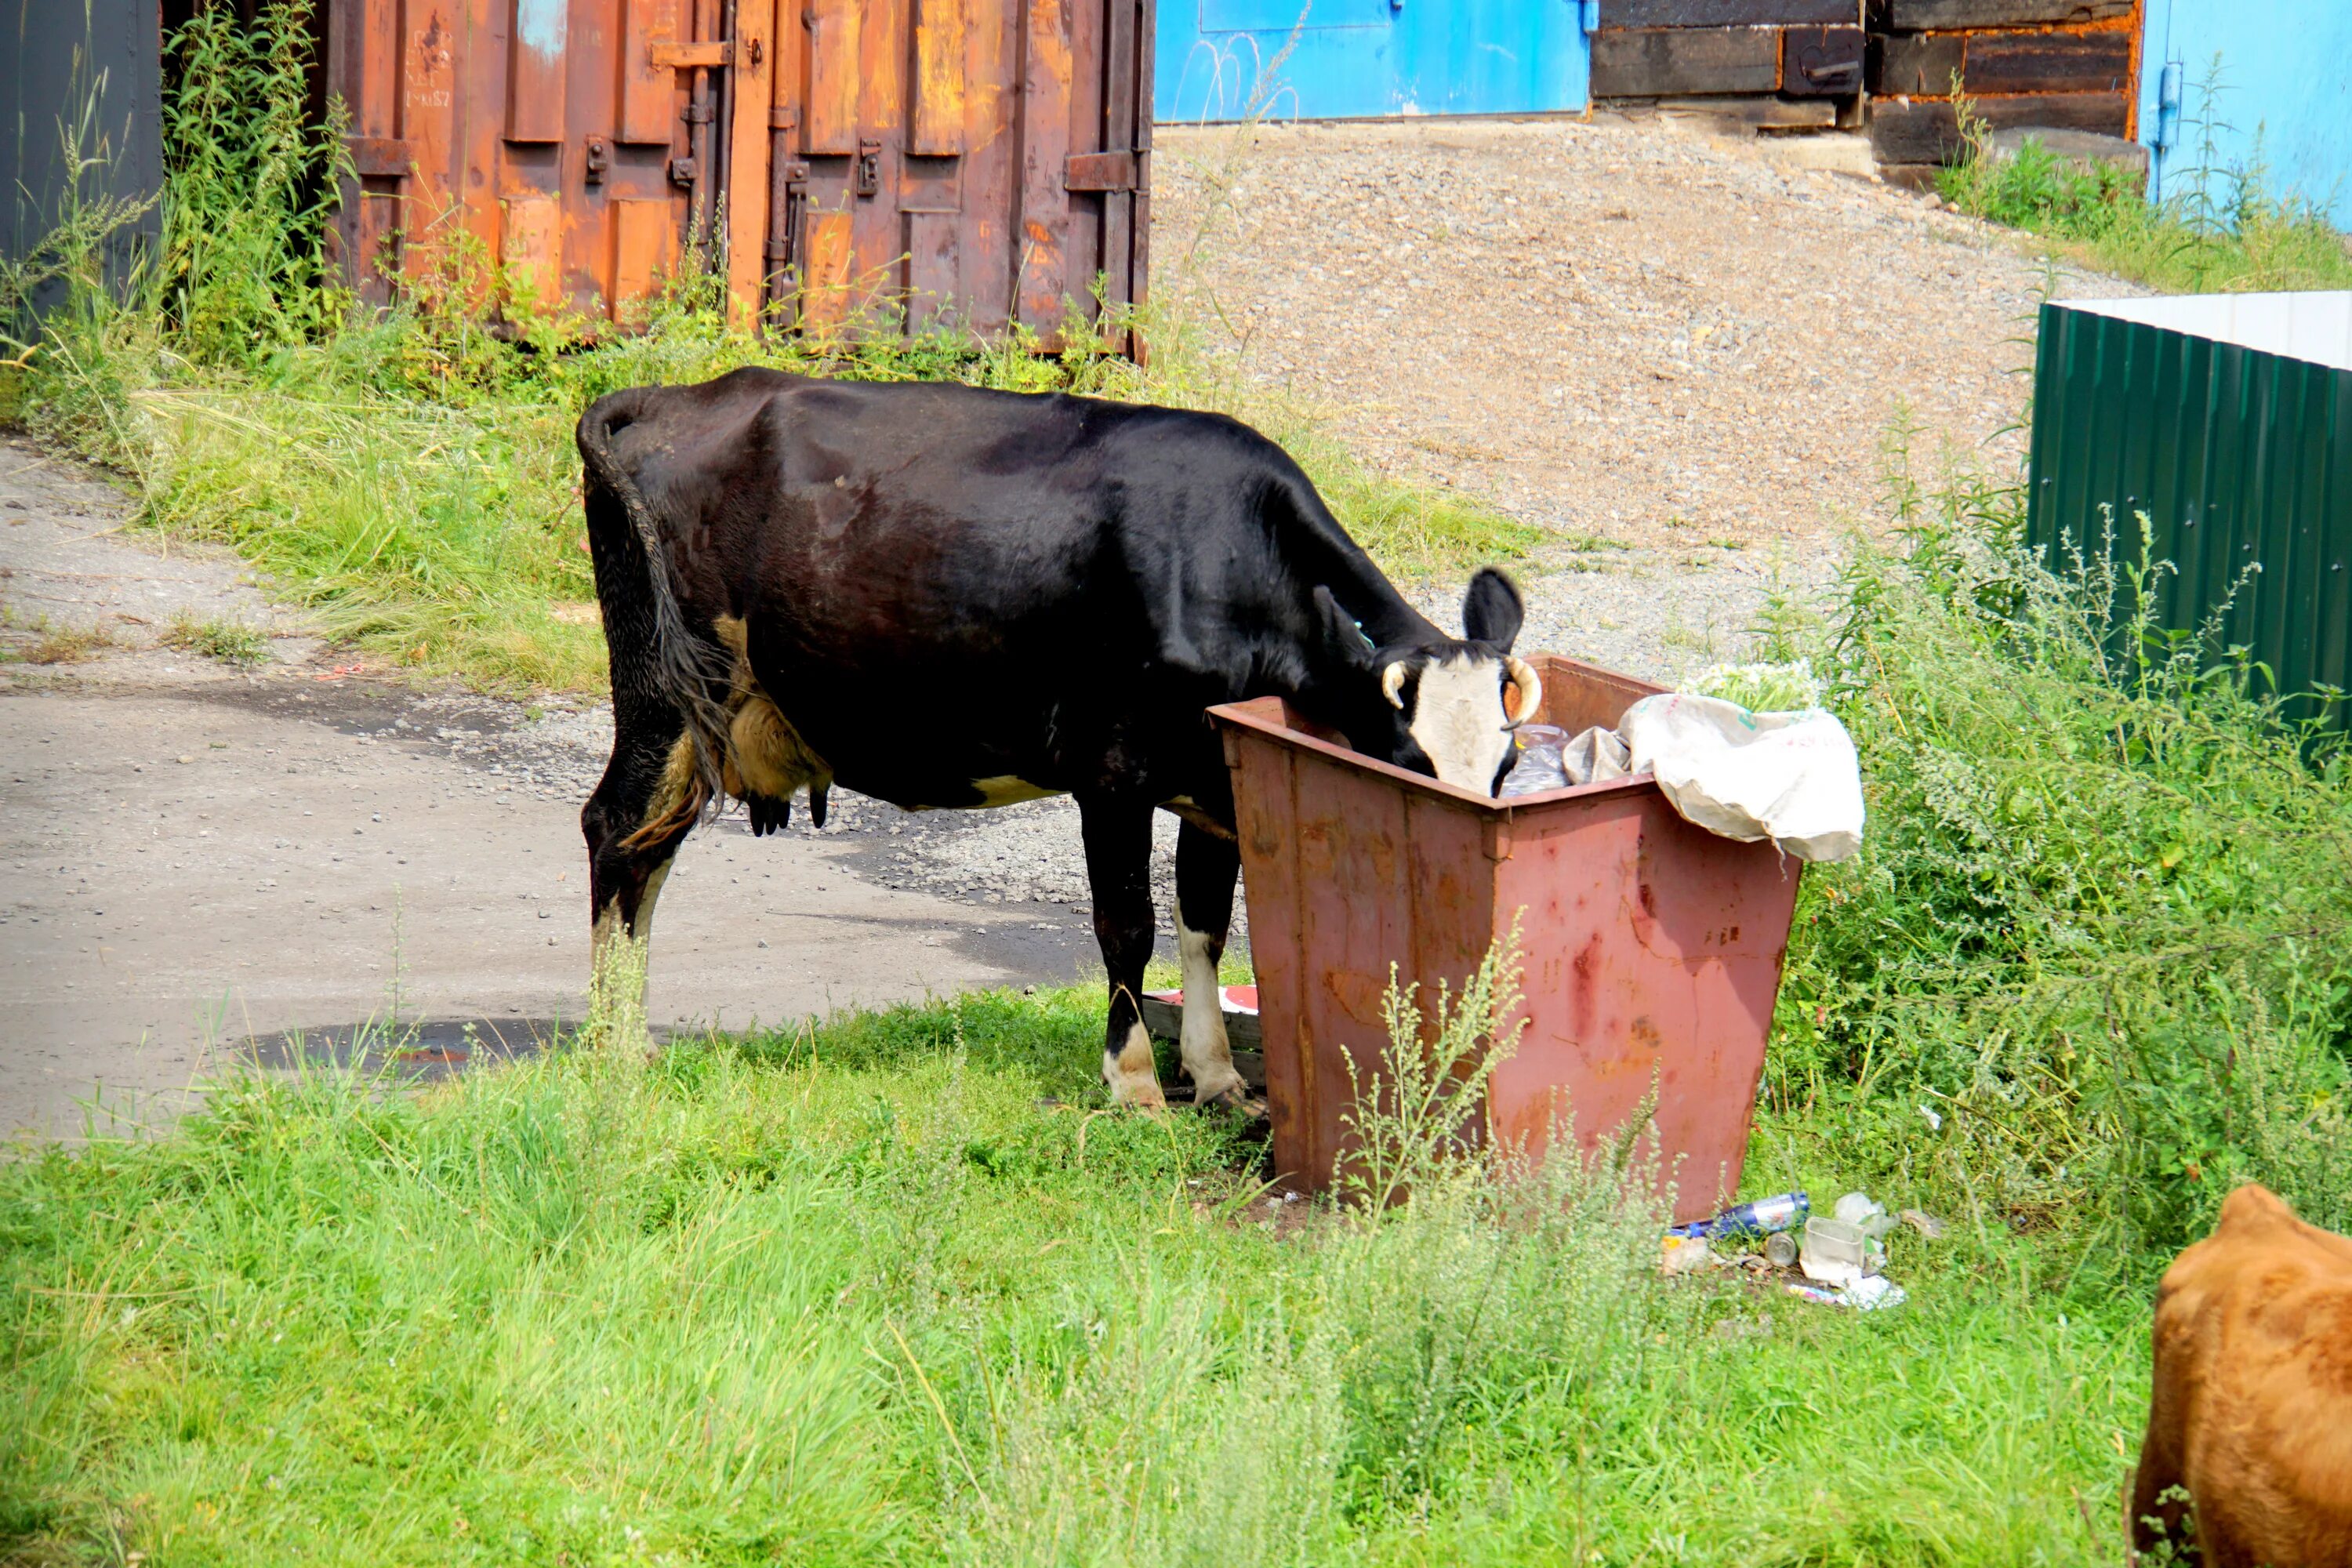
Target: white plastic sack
{"type": "Point", "coordinates": [1790, 778]}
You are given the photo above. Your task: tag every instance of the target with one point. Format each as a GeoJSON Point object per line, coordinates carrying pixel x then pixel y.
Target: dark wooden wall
{"type": "Point", "coordinates": [58, 60]}
{"type": "Point", "coordinates": [1795, 49]}
{"type": "Point", "coordinates": [2065, 64]}
{"type": "Point", "coordinates": [2070, 64]}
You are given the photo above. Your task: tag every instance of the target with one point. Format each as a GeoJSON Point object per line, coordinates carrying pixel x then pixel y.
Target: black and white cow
{"type": "Point", "coordinates": [941, 597]}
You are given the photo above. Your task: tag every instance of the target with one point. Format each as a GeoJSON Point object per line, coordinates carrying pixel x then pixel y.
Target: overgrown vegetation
{"type": "Point", "coordinates": [2094, 967]}
{"type": "Point", "coordinates": [409, 475]}
{"type": "Point", "coordinates": [883, 1289]}
{"type": "Point", "coordinates": [2218, 228]}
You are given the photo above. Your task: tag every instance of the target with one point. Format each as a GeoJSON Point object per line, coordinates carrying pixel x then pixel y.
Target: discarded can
{"type": "Point", "coordinates": [1758, 1218]}
{"type": "Point", "coordinates": [1780, 1249]}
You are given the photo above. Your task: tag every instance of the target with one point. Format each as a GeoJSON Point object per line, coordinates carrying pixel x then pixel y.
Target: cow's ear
{"type": "Point", "coordinates": [1491, 610]}
{"type": "Point", "coordinates": [1341, 635]}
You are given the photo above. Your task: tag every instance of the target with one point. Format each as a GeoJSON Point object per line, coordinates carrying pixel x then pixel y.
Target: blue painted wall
{"type": "Point", "coordinates": [2286, 75]}
{"type": "Point", "coordinates": [1224, 59]}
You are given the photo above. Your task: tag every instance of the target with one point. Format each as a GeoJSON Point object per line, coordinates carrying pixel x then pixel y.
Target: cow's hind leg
{"type": "Point", "coordinates": [641, 810]}
{"type": "Point", "coordinates": [1207, 867]}
{"type": "Point", "coordinates": [1118, 869]}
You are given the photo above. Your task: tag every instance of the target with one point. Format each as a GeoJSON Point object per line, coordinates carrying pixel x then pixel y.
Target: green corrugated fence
{"type": "Point", "coordinates": [2228, 420]}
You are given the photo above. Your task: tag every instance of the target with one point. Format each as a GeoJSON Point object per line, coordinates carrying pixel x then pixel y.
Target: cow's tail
{"type": "Point", "coordinates": [648, 631]}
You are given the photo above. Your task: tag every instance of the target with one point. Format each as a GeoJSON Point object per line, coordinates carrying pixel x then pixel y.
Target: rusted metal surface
{"type": "Point", "coordinates": [1652, 949]}
{"type": "Point", "coordinates": [874, 163]}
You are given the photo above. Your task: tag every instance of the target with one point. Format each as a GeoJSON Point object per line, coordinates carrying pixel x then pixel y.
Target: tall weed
{"type": "Point", "coordinates": [2217, 228]}
{"type": "Point", "coordinates": [249, 187]}
{"type": "Point", "coordinates": [875, 1289]}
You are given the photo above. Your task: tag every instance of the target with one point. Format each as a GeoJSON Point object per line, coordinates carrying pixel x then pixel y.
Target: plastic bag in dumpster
{"type": "Point", "coordinates": [1790, 778]}
{"type": "Point", "coordinates": [1548, 760]}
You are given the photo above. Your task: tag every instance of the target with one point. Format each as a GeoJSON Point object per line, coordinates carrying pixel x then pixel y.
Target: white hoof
{"type": "Point", "coordinates": [1133, 1078]}
{"type": "Point", "coordinates": [1226, 1088]}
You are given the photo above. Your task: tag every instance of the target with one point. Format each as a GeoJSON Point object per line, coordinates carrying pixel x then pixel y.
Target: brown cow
{"type": "Point", "coordinates": [2252, 1412]}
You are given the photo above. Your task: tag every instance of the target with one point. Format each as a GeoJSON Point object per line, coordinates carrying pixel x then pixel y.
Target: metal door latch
{"type": "Point", "coordinates": [682, 172]}
{"type": "Point", "coordinates": [600, 158]}
{"type": "Point", "coordinates": [869, 168]}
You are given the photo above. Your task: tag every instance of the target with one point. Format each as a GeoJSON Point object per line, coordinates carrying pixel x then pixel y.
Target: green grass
{"type": "Point", "coordinates": [861, 1295]}
{"type": "Point", "coordinates": [2217, 230]}
{"type": "Point", "coordinates": [436, 524]}
{"type": "Point", "coordinates": [230, 642]}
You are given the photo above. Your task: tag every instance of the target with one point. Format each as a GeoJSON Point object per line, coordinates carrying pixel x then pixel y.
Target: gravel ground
{"type": "Point", "coordinates": [1677, 351]}
{"type": "Point", "coordinates": [1629, 329]}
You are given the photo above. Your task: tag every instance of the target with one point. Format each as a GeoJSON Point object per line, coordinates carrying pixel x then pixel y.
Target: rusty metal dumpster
{"type": "Point", "coordinates": [1651, 948]}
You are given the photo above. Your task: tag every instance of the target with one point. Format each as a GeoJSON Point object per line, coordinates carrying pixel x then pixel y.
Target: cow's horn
{"type": "Point", "coordinates": [1392, 685]}
{"type": "Point", "coordinates": [1527, 690]}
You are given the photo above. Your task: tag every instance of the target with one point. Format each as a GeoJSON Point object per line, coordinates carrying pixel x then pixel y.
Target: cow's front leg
{"type": "Point", "coordinates": [1207, 867]}
{"type": "Point", "coordinates": [1118, 869]}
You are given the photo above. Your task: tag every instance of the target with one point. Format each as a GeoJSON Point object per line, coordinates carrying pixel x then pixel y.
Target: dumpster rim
{"type": "Point", "coordinates": [1242, 715]}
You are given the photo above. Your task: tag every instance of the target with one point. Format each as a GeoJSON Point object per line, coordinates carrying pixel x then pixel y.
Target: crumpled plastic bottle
{"type": "Point", "coordinates": [1539, 767]}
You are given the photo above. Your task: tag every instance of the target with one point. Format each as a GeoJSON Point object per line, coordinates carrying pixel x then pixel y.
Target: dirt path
{"type": "Point", "coordinates": [196, 854]}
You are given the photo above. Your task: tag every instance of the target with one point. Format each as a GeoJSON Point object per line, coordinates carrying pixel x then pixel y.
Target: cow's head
{"type": "Point", "coordinates": [1445, 707]}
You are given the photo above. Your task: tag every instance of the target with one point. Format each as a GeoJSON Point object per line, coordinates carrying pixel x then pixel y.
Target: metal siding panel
{"type": "Point", "coordinates": [990, 163]}
{"type": "Point", "coordinates": [1122, 30]}
{"type": "Point", "coordinates": [645, 245]}
{"type": "Point", "coordinates": [1045, 205]}
{"type": "Point", "coordinates": [536, 39]}
{"type": "Point", "coordinates": [825, 296]}
{"type": "Point", "coordinates": [648, 92]}
{"type": "Point", "coordinates": [2050, 337]}
{"type": "Point", "coordinates": [462, 107]}
{"type": "Point", "coordinates": [528, 247]}
{"type": "Point", "coordinates": [2331, 430]}
{"type": "Point", "coordinates": [2237, 456]}
{"type": "Point", "coordinates": [933, 267]}
{"type": "Point", "coordinates": [746, 156]}
{"type": "Point", "coordinates": [936, 126]}
{"type": "Point", "coordinates": [831, 113]}
{"type": "Point", "coordinates": [428, 122]}
{"type": "Point", "coordinates": [1478, 57]}
{"type": "Point", "coordinates": [1139, 256]}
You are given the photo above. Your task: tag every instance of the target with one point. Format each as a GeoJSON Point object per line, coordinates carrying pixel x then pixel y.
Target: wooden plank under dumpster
{"type": "Point", "coordinates": [877, 164]}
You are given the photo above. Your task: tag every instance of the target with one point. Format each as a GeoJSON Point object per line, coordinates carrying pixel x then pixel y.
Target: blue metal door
{"type": "Point", "coordinates": [1353, 60]}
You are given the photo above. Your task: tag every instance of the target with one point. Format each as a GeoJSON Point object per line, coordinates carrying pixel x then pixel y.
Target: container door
{"type": "Point", "coordinates": [1340, 59]}
{"type": "Point", "coordinates": [541, 155]}
{"type": "Point", "coordinates": [857, 164]}
{"type": "Point", "coordinates": [955, 165]}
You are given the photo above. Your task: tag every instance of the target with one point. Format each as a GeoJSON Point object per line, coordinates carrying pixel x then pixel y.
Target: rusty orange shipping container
{"type": "Point", "coordinates": [985, 158]}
